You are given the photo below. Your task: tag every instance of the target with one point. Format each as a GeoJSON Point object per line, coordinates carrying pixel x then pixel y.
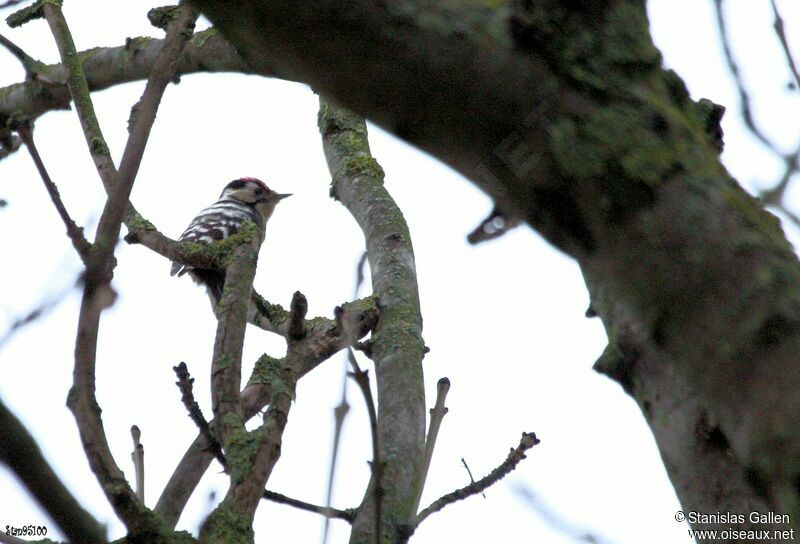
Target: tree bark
{"type": "Point", "coordinates": [562, 112]}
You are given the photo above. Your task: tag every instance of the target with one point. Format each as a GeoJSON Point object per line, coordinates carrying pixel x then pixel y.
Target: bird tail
{"type": "Point", "coordinates": [212, 280]}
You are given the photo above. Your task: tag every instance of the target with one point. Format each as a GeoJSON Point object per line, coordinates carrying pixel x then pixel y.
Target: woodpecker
{"type": "Point", "coordinates": [242, 200]}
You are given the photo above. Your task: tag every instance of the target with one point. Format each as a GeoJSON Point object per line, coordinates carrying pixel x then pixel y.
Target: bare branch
{"type": "Point", "coordinates": [105, 67]}
{"type": "Point", "coordinates": [27, 61]}
{"type": "Point", "coordinates": [397, 347]}
{"type": "Point", "coordinates": [75, 233]}
{"type": "Point", "coordinates": [556, 521]}
{"type": "Point", "coordinates": [185, 384]}
{"type": "Point", "coordinates": [20, 452]}
{"type": "Point", "coordinates": [328, 512]}
{"type": "Point", "coordinates": [780, 31]}
{"type": "Point", "coordinates": [527, 442]}
{"type": "Point", "coordinates": [469, 473]}
{"type": "Point", "coordinates": [774, 195]}
{"type": "Point", "coordinates": [137, 455]}
{"type": "Point", "coordinates": [41, 309]}
{"type": "Point", "coordinates": [339, 415]}
{"type": "Point", "coordinates": [438, 412]}
{"type": "Point", "coordinates": [79, 91]}
{"type": "Point", "coordinates": [323, 339]}
{"type": "Point", "coordinates": [97, 291]}
{"type": "Point", "coordinates": [377, 466]}
{"type": "Point", "coordinates": [733, 66]}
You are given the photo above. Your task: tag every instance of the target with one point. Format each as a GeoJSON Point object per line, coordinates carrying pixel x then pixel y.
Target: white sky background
{"type": "Point", "coordinates": [504, 320]}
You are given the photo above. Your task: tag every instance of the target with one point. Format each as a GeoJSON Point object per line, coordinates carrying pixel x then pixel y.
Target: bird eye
{"type": "Point", "coordinates": [258, 192]}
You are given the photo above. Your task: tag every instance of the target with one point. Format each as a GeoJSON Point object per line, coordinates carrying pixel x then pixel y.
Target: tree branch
{"type": "Point", "coordinates": [327, 511]}
{"type": "Point", "coordinates": [105, 67]}
{"type": "Point", "coordinates": [97, 290]}
{"type": "Point", "coordinates": [75, 233]}
{"type": "Point", "coordinates": [185, 384]}
{"type": "Point", "coordinates": [517, 454]}
{"type": "Point", "coordinates": [323, 339]}
{"type": "Point", "coordinates": [226, 365]}
{"type": "Point", "coordinates": [780, 31]}
{"type": "Point", "coordinates": [377, 466]}
{"type": "Point", "coordinates": [438, 412]}
{"type": "Point", "coordinates": [733, 67]}
{"type": "Point", "coordinates": [137, 456]}
{"type": "Point", "coordinates": [20, 452]}
{"type": "Point", "coordinates": [397, 346]}
{"type": "Point", "coordinates": [571, 124]}
{"type": "Point", "coordinates": [27, 61]}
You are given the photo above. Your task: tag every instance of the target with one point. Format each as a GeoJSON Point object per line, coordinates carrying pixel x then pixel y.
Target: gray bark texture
{"type": "Point", "coordinates": [562, 112]}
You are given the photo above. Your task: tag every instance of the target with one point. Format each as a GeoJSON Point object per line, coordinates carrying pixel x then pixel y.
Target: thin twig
{"type": "Point", "coordinates": [774, 196]}
{"type": "Point", "coordinates": [733, 66]}
{"type": "Point", "coordinates": [556, 521]}
{"type": "Point", "coordinates": [42, 309]}
{"type": "Point", "coordinates": [19, 451]}
{"type": "Point", "coordinates": [26, 60]}
{"type": "Point", "coordinates": [438, 412]}
{"type": "Point", "coordinates": [327, 511]}
{"type": "Point", "coordinates": [780, 31]}
{"type": "Point", "coordinates": [469, 472]}
{"type": "Point", "coordinates": [75, 233]}
{"type": "Point", "coordinates": [339, 415]}
{"type": "Point", "coordinates": [137, 455]}
{"type": "Point", "coordinates": [517, 454]}
{"type": "Point", "coordinates": [362, 379]}
{"type": "Point", "coordinates": [185, 384]}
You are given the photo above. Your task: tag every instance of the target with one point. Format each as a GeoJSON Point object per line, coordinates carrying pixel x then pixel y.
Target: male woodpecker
{"type": "Point", "coordinates": [244, 199]}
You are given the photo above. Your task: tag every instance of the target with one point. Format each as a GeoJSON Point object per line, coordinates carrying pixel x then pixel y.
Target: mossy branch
{"type": "Point", "coordinates": [397, 347]}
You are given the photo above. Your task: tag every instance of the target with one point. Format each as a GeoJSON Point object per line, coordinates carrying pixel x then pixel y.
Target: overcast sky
{"type": "Point", "coordinates": [504, 320]}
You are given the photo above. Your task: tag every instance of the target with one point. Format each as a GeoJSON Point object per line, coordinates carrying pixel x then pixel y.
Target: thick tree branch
{"type": "Point", "coordinates": [567, 119]}
{"type": "Point", "coordinates": [105, 67]}
{"type": "Point", "coordinates": [438, 412]}
{"type": "Point", "coordinates": [20, 452]}
{"type": "Point", "coordinates": [250, 456]}
{"type": "Point", "coordinates": [397, 346]}
{"type": "Point", "coordinates": [226, 365]}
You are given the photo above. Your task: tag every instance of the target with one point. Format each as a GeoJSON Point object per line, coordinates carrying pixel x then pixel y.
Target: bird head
{"type": "Point", "coordinates": [253, 192]}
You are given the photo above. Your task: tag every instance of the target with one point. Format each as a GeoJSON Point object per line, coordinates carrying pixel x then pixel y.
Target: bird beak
{"type": "Point", "coordinates": [282, 196]}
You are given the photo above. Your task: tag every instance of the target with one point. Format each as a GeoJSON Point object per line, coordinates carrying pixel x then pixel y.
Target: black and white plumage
{"type": "Point", "coordinates": [242, 200]}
